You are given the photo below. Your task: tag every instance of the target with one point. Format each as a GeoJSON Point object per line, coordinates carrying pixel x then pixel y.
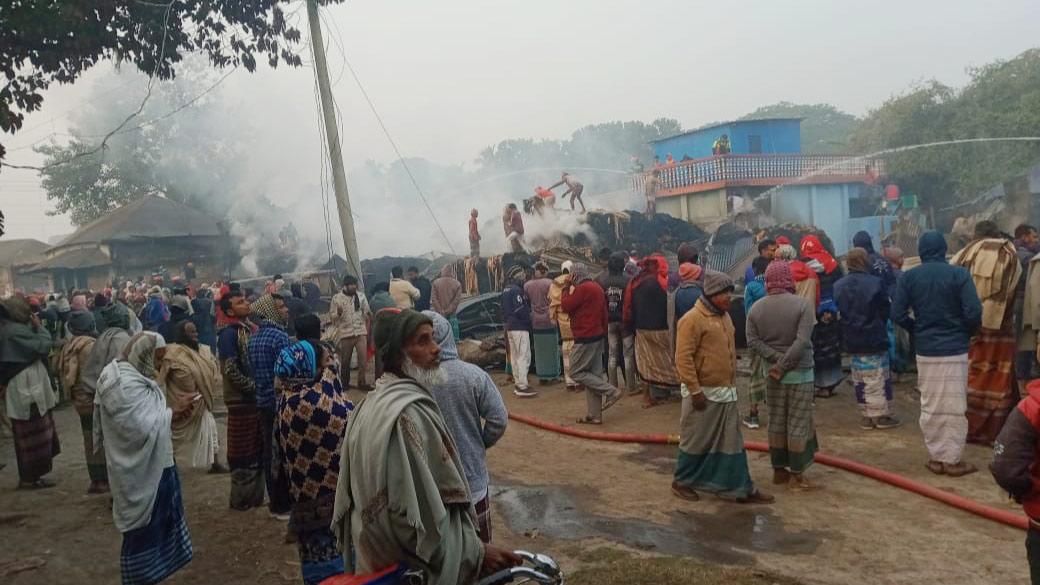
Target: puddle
{"type": "Point", "coordinates": [731, 536]}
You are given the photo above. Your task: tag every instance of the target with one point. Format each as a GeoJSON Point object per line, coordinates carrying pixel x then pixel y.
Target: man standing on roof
{"type": "Point", "coordinates": [474, 235]}
{"type": "Point", "coordinates": [650, 187]}
{"type": "Point", "coordinates": [574, 189]}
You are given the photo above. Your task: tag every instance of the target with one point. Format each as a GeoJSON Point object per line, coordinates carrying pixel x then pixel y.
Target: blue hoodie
{"type": "Point", "coordinates": [946, 306]}
{"type": "Point", "coordinates": [467, 397]}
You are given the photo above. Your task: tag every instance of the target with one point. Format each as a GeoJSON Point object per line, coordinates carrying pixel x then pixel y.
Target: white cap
{"type": "Point", "coordinates": [567, 265]}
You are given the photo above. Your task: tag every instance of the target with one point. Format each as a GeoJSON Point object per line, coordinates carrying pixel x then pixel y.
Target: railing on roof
{"type": "Point", "coordinates": [760, 169]}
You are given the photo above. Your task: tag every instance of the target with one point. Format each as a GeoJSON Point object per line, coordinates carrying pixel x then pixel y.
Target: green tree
{"type": "Point", "coordinates": [1001, 100]}
{"type": "Point", "coordinates": [48, 41]}
{"type": "Point", "coordinates": [188, 157]}
{"type": "Point", "coordinates": [825, 129]}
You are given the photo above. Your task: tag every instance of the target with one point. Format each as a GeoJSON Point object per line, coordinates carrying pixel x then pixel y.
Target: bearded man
{"type": "Point", "coordinates": [402, 496]}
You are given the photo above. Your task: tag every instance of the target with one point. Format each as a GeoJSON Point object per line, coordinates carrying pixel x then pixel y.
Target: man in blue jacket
{"type": "Point", "coordinates": [947, 312]}
{"type": "Point", "coordinates": [863, 304]}
{"type": "Point", "coordinates": [516, 314]}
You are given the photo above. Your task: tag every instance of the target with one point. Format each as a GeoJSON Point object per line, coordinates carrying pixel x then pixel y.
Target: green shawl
{"type": "Point", "coordinates": [402, 495]}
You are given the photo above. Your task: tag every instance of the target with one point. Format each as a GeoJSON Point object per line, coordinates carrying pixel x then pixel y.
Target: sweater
{"type": "Point", "coordinates": [705, 349]}
{"type": "Point", "coordinates": [587, 306]}
{"type": "Point", "coordinates": [946, 308]}
{"type": "Point", "coordinates": [472, 407]}
{"type": "Point", "coordinates": [779, 328]}
{"type": "Point", "coordinates": [556, 313]}
{"type": "Point", "coordinates": [447, 292]}
{"type": "Point", "coordinates": [516, 309]}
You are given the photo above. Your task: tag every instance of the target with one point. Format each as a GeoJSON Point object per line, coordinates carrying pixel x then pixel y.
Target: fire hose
{"type": "Point", "coordinates": [1006, 517]}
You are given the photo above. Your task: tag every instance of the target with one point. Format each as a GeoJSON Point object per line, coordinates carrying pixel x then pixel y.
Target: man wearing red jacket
{"type": "Point", "coordinates": [1016, 453]}
{"type": "Point", "coordinates": [586, 304]}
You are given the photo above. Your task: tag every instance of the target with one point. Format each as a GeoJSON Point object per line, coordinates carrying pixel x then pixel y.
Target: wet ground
{"type": "Point", "coordinates": [730, 538]}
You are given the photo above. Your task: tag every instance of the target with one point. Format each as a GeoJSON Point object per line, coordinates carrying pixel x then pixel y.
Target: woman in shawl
{"type": "Point", "coordinates": [133, 424]}
{"type": "Point", "coordinates": [74, 356]}
{"type": "Point", "coordinates": [29, 396]}
{"type": "Point", "coordinates": [312, 424]}
{"type": "Point", "coordinates": [806, 282]}
{"type": "Point", "coordinates": [190, 377]}
{"type": "Point", "coordinates": [647, 313]}
{"type": "Point", "coordinates": [827, 332]}
{"type": "Point", "coordinates": [156, 312]}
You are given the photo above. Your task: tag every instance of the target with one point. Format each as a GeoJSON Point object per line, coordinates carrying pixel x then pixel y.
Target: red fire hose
{"type": "Point", "coordinates": [996, 514]}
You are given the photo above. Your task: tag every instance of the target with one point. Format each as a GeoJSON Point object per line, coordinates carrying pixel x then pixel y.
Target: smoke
{"type": "Point", "coordinates": [266, 179]}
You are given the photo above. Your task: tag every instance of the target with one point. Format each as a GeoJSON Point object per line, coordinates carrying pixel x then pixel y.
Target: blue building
{"type": "Point", "coordinates": [765, 156]}
{"type": "Point", "coordinates": [766, 136]}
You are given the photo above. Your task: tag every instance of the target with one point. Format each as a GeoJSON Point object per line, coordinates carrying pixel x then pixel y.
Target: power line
{"type": "Point", "coordinates": [140, 108]}
{"type": "Point", "coordinates": [400, 157]}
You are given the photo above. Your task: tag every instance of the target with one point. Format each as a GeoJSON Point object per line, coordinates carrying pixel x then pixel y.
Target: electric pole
{"type": "Point", "coordinates": [339, 177]}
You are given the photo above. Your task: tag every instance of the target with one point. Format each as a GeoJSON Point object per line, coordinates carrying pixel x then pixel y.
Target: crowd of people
{"type": "Point", "coordinates": [404, 485]}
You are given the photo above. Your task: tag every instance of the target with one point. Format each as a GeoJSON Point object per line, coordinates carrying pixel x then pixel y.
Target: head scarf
{"type": "Point", "coordinates": [863, 240]}
{"type": "Point", "coordinates": [180, 335]}
{"type": "Point", "coordinates": [82, 323]}
{"type": "Point", "coordinates": [516, 272]}
{"type": "Point", "coordinates": [140, 352]}
{"type": "Point", "coordinates": [579, 273]}
{"type": "Point", "coordinates": [812, 248]}
{"type": "Point", "coordinates": [18, 310]}
{"type": "Point", "coordinates": [265, 308]}
{"type": "Point", "coordinates": [783, 241]}
{"type": "Point", "coordinates": [858, 260]}
{"type": "Point", "coordinates": [649, 268]}
{"type": "Point", "coordinates": [297, 364]}
{"type": "Point", "coordinates": [79, 303]}
{"type": "Point", "coordinates": [116, 315]}
{"type": "Point", "coordinates": [786, 252]}
{"type": "Point", "coordinates": [566, 266]}
{"type": "Point", "coordinates": [393, 328]}
{"type": "Point", "coordinates": [716, 282]}
{"type": "Point", "coordinates": [689, 272]}
{"type": "Point", "coordinates": [61, 304]}
{"type": "Point", "coordinates": [779, 279]}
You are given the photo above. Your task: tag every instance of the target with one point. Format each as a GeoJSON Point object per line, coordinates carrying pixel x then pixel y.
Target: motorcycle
{"type": "Point", "coordinates": [536, 568]}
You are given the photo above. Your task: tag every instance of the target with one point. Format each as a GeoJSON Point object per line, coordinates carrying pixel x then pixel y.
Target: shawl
{"type": "Point", "coordinates": [297, 364]}
{"type": "Point", "coordinates": [995, 270]}
{"type": "Point", "coordinates": [109, 346]}
{"type": "Point", "coordinates": [402, 495]}
{"type": "Point", "coordinates": [265, 308]}
{"type": "Point", "coordinates": [812, 248]}
{"type": "Point", "coordinates": [183, 373]}
{"type": "Point", "coordinates": [132, 424]}
{"type": "Point", "coordinates": [140, 352]}
{"type": "Point", "coordinates": [74, 356]}
{"type": "Point", "coordinates": [312, 424]}
{"type": "Point", "coordinates": [689, 272]}
{"type": "Point", "coordinates": [116, 315]}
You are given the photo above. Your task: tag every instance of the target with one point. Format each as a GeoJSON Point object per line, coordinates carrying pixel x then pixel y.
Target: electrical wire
{"type": "Point", "coordinates": [140, 108]}
{"type": "Point", "coordinates": [400, 157]}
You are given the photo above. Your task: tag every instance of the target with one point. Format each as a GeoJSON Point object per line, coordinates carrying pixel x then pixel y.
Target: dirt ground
{"type": "Point", "coordinates": [604, 510]}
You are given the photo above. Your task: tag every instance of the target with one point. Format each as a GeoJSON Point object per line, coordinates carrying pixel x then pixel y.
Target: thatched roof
{"type": "Point", "coordinates": [21, 252]}
{"type": "Point", "coordinates": [149, 217]}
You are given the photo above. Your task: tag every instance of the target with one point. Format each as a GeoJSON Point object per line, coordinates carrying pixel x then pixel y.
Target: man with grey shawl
{"type": "Point", "coordinates": [402, 496]}
{"type": "Point", "coordinates": [475, 414]}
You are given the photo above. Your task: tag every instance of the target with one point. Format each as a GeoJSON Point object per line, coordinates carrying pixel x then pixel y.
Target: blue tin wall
{"type": "Point", "coordinates": [777, 137]}
{"type": "Point", "coordinates": [827, 207]}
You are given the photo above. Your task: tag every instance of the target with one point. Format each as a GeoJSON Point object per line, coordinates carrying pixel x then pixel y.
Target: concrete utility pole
{"type": "Point", "coordinates": [339, 177]}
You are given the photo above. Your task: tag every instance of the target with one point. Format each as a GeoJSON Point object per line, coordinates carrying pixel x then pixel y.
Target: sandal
{"type": "Point", "coordinates": [686, 493]}
{"type": "Point", "coordinates": [756, 498]}
{"type": "Point", "coordinates": [936, 467]}
{"type": "Point", "coordinates": [40, 484]}
{"type": "Point", "coordinates": [959, 469]}
{"type": "Point", "coordinates": [587, 420]}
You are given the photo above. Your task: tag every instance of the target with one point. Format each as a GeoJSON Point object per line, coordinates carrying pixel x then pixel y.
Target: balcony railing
{"type": "Point", "coordinates": [762, 170]}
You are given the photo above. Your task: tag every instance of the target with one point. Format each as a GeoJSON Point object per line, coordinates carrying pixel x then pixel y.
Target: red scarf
{"type": "Point", "coordinates": [812, 248]}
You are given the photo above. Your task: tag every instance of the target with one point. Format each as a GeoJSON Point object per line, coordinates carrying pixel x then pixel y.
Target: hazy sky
{"type": "Point", "coordinates": [454, 76]}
